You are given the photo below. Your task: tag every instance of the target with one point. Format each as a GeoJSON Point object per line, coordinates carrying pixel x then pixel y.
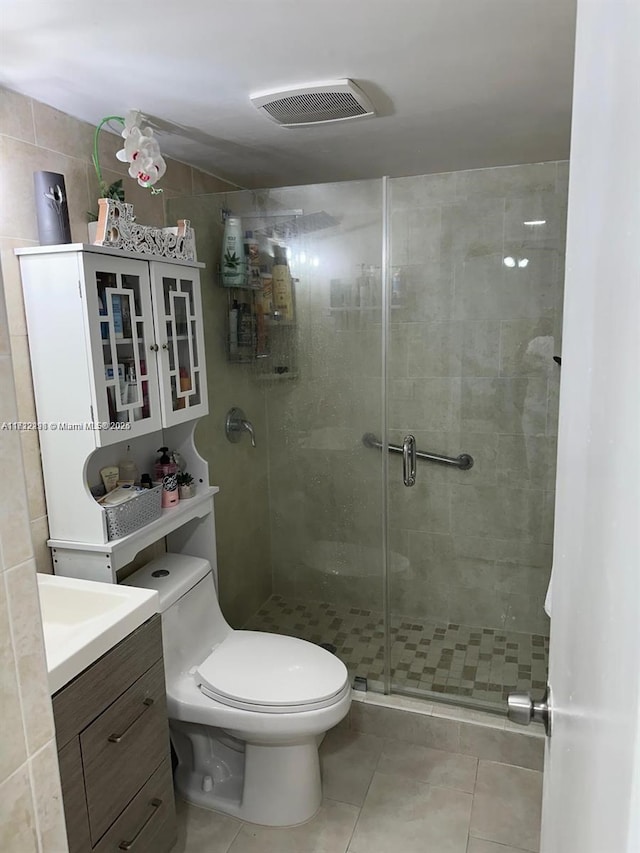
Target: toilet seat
{"type": "Point", "coordinates": [271, 673]}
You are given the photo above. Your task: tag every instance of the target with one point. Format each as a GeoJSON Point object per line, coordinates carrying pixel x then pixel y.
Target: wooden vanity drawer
{"type": "Point", "coordinates": [123, 747]}
{"type": "Point", "coordinates": [148, 824]}
{"type": "Point", "coordinates": [82, 700]}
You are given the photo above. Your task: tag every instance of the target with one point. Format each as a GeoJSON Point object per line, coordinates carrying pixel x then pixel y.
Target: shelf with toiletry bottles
{"type": "Point", "coordinates": [261, 313]}
{"type": "Point", "coordinates": [117, 354]}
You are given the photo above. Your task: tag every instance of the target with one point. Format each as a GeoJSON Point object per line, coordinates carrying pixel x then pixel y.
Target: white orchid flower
{"type": "Point", "coordinates": [142, 151]}
{"type": "Point", "coordinates": [132, 119]}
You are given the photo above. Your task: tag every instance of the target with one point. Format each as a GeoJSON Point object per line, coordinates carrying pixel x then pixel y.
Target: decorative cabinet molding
{"type": "Point", "coordinates": [177, 311]}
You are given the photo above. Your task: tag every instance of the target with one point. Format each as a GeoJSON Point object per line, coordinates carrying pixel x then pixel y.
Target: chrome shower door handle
{"type": "Point", "coordinates": [409, 460]}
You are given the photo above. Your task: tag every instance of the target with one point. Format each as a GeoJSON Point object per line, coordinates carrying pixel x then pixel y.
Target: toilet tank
{"type": "Point", "coordinates": [192, 622]}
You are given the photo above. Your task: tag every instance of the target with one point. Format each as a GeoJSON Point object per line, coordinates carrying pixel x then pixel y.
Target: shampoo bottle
{"type": "Point", "coordinates": [233, 330]}
{"type": "Point", "coordinates": [282, 285]}
{"type": "Point", "coordinates": [262, 349]}
{"type": "Point", "coordinates": [246, 332]}
{"type": "Point", "coordinates": [233, 263]}
{"type": "Point", "coordinates": [264, 313]}
{"type": "Point", "coordinates": [252, 258]}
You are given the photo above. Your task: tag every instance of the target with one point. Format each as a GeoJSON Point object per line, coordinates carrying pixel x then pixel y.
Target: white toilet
{"type": "Point", "coordinates": [246, 709]}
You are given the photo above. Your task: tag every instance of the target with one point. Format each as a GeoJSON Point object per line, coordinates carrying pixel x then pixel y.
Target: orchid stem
{"type": "Point", "coordinates": [95, 157]}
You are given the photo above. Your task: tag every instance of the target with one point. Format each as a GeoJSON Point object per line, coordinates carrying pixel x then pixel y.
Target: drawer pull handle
{"type": "Point", "coordinates": [148, 702]}
{"type": "Point", "coordinates": [127, 845]}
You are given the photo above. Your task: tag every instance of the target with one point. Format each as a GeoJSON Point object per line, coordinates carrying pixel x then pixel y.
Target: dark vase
{"type": "Point", "coordinates": [52, 209]}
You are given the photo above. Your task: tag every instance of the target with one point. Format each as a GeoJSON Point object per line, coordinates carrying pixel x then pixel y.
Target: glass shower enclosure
{"type": "Point", "coordinates": [426, 319]}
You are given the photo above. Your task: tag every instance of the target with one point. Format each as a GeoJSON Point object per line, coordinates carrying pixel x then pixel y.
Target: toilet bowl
{"type": "Point", "coordinates": [247, 709]}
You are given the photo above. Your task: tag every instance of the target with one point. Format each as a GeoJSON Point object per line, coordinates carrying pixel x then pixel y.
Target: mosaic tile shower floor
{"type": "Point", "coordinates": [480, 663]}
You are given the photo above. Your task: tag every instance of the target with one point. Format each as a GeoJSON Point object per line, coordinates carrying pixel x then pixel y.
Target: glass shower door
{"type": "Point", "coordinates": [475, 285]}
{"type": "Point", "coordinates": [311, 380]}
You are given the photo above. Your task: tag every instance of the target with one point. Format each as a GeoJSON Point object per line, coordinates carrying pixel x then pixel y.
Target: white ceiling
{"type": "Point", "coordinates": [458, 83]}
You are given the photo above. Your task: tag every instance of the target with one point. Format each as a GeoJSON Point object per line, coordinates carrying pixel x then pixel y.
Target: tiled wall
{"type": "Point", "coordinates": [471, 346]}
{"type": "Point", "coordinates": [31, 816]}
{"type": "Point", "coordinates": [471, 365]}
{"type": "Point", "coordinates": [303, 483]}
{"type": "Point", "coordinates": [35, 137]}
{"type": "Point", "coordinates": [325, 488]}
{"type": "Point", "coordinates": [242, 515]}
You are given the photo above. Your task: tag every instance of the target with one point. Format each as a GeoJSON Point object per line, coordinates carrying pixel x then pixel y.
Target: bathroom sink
{"type": "Point", "coordinates": [82, 620]}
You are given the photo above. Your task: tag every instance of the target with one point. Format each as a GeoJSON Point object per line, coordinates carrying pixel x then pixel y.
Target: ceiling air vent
{"type": "Point", "coordinates": [314, 103]}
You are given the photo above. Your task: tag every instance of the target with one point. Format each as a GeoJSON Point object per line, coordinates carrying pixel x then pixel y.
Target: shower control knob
{"type": "Point", "coordinates": [522, 709]}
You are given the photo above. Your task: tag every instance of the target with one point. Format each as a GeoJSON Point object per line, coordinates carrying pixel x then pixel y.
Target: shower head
{"type": "Point", "coordinates": [299, 225]}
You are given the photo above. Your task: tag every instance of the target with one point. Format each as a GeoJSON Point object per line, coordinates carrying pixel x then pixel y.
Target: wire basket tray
{"type": "Point", "coordinates": [130, 516]}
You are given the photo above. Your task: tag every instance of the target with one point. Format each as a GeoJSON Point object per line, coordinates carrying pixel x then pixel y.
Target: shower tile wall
{"type": "Point", "coordinates": [475, 322]}
{"type": "Point", "coordinates": [325, 487]}
{"type": "Point", "coordinates": [471, 369]}
{"type": "Point", "coordinates": [241, 471]}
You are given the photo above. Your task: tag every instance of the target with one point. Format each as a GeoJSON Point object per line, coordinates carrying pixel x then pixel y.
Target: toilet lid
{"type": "Point", "coordinates": [252, 668]}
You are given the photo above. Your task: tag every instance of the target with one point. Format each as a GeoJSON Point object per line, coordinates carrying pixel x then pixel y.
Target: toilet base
{"type": "Point", "coordinates": [271, 785]}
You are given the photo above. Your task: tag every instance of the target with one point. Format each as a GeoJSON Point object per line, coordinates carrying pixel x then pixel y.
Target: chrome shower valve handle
{"type": "Point", "coordinates": [236, 423]}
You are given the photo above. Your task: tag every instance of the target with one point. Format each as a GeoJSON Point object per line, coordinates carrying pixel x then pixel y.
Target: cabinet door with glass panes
{"type": "Point", "coordinates": [124, 351]}
{"type": "Point", "coordinates": [177, 311]}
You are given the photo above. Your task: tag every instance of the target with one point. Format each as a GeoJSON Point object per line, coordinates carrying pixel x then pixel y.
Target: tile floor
{"type": "Point", "coordinates": [482, 664]}
{"type": "Point", "coordinates": [383, 795]}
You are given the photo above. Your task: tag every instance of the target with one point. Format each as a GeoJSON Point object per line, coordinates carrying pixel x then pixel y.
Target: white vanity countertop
{"type": "Point", "coordinates": [83, 619]}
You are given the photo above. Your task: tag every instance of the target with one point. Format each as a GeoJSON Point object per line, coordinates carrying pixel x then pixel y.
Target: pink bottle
{"type": "Point", "coordinates": [170, 496]}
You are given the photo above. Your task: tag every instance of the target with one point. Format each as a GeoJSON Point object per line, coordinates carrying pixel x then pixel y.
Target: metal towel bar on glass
{"type": "Point", "coordinates": [463, 461]}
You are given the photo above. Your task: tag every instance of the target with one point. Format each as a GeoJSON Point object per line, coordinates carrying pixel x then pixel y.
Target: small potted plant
{"type": "Point", "coordinates": [186, 486]}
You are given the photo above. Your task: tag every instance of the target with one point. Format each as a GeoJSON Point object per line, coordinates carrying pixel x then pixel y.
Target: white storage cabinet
{"type": "Point", "coordinates": [117, 356]}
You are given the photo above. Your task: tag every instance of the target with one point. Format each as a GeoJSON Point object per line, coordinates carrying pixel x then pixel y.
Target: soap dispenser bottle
{"type": "Point", "coordinates": [164, 465]}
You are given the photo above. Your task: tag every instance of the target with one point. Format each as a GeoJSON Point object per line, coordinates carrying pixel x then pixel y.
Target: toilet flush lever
{"type": "Point", "coordinates": [237, 423]}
